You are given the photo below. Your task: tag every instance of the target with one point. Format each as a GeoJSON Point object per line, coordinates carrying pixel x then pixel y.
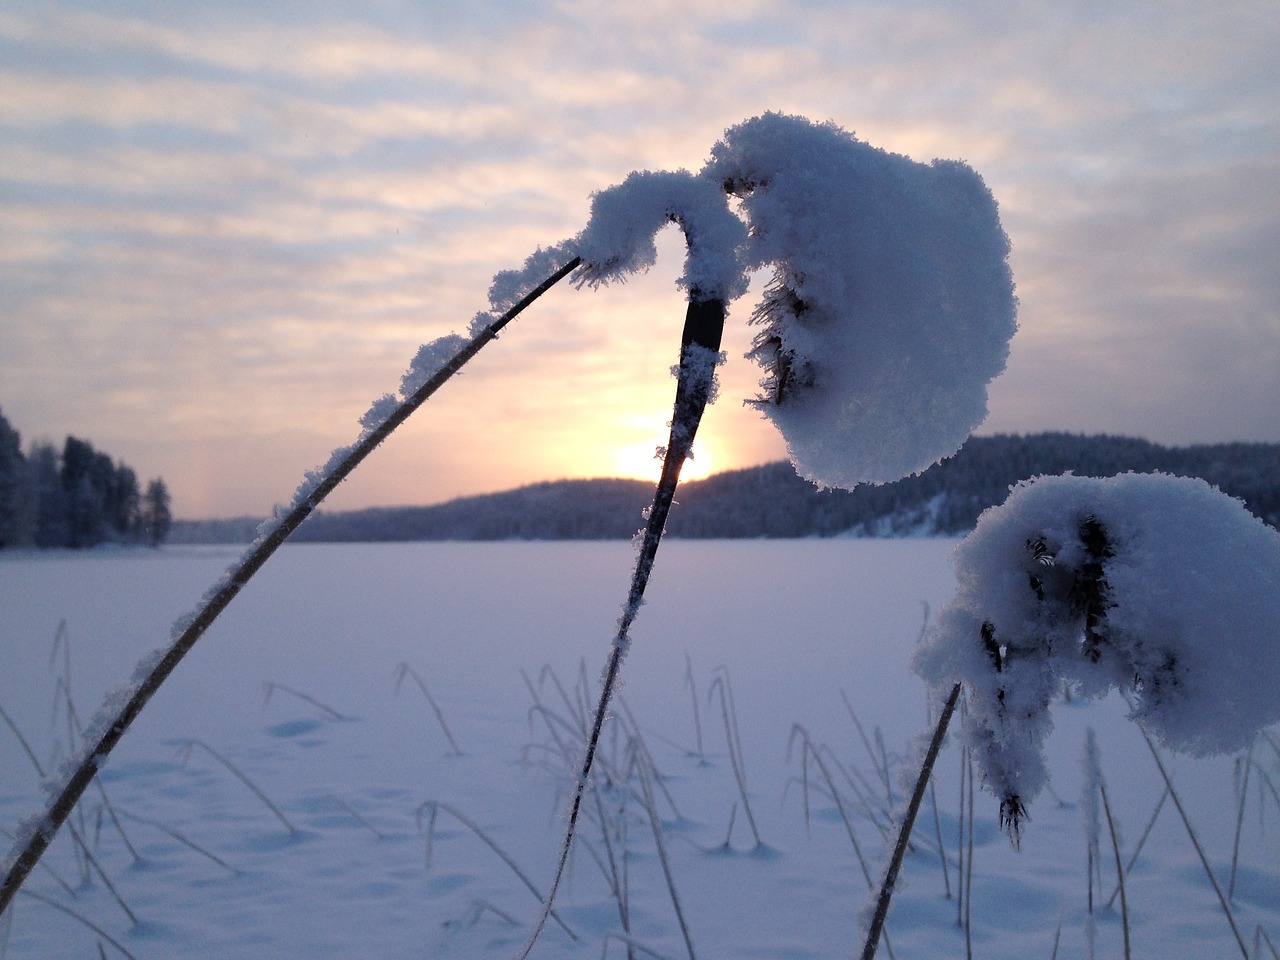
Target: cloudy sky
{"type": "Point", "coordinates": [225, 227]}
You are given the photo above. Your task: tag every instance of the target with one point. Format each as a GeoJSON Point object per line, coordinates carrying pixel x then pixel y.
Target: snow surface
{"type": "Point", "coordinates": [1161, 587]}
{"type": "Point", "coordinates": [793, 624]}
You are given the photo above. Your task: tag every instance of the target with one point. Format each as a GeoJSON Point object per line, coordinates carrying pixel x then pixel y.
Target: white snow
{"type": "Point", "coordinates": [619, 238]}
{"type": "Point", "coordinates": [1160, 587]}
{"type": "Point", "coordinates": [795, 623]}
{"type": "Point", "coordinates": [891, 306]}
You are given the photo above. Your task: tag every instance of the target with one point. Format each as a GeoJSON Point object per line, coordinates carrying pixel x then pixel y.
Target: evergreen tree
{"type": "Point", "coordinates": [156, 515]}
{"type": "Point", "coordinates": [52, 524]}
{"type": "Point", "coordinates": [15, 489]}
{"type": "Point", "coordinates": [125, 505]}
{"type": "Point", "coordinates": [82, 488]}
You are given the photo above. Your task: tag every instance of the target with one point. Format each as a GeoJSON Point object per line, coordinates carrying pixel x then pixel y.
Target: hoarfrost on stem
{"type": "Point", "coordinates": [1161, 587]}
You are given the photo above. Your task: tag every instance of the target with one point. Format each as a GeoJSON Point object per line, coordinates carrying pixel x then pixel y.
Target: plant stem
{"type": "Point", "coordinates": [1115, 849]}
{"type": "Point", "coordinates": [703, 327]}
{"type": "Point", "coordinates": [1195, 842]}
{"type": "Point", "coordinates": [60, 807]}
{"type": "Point", "coordinates": [908, 821]}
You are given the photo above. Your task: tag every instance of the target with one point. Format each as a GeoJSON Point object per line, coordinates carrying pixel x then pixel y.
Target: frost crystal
{"type": "Point", "coordinates": [1161, 587]}
{"type": "Point", "coordinates": [891, 305]}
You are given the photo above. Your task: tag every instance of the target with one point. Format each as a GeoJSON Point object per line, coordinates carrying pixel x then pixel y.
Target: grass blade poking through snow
{"type": "Point", "coordinates": [431, 807]}
{"type": "Point", "coordinates": [239, 775]}
{"type": "Point", "coordinates": [122, 708]}
{"type": "Point", "coordinates": [271, 687]}
{"type": "Point", "coordinates": [1195, 842]}
{"type": "Point", "coordinates": [404, 670]}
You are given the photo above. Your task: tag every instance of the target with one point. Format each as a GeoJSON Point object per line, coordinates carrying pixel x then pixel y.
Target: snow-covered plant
{"type": "Point", "coordinates": [889, 312]}
{"type": "Point", "coordinates": [1161, 587]}
{"type": "Point", "coordinates": [891, 304]}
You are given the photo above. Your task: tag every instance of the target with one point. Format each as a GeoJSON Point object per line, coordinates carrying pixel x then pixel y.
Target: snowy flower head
{"type": "Point", "coordinates": [891, 305]}
{"type": "Point", "coordinates": [1161, 587]}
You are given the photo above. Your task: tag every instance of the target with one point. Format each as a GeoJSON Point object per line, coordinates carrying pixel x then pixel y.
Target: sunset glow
{"type": "Point", "coordinates": [229, 227]}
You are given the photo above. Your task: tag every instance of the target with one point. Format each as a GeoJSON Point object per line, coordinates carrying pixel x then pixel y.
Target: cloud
{"type": "Point", "coordinates": [215, 210]}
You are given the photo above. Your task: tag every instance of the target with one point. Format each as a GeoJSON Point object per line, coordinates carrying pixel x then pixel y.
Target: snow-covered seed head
{"type": "Point", "coordinates": [1161, 587]}
{"type": "Point", "coordinates": [891, 305]}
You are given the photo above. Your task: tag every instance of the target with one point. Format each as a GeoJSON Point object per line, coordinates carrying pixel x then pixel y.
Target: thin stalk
{"type": "Point", "coordinates": [1115, 849]}
{"type": "Point", "coordinates": [242, 777]}
{"type": "Point", "coordinates": [435, 805]}
{"type": "Point", "coordinates": [633, 944]}
{"type": "Point", "coordinates": [182, 839]}
{"type": "Point", "coordinates": [76, 916]}
{"type": "Point", "coordinates": [616, 886]}
{"type": "Point", "coordinates": [937, 821]}
{"type": "Point", "coordinates": [67, 888]}
{"type": "Point", "coordinates": [735, 752]}
{"type": "Point", "coordinates": [968, 864]}
{"type": "Point", "coordinates": [107, 805]}
{"type": "Point", "coordinates": [807, 745]}
{"type": "Point", "coordinates": [651, 808]}
{"type": "Point", "coordinates": [1133, 857]}
{"type": "Point", "coordinates": [271, 687]}
{"type": "Point", "coordinates": [908, 821]}
{"type": "Point", "coordinates": [355, 815]}
{"type": "Point", "coordinates": [60, 806]}
{"type": "Point", "coordinates": [405, 670]}
{"type": "Point", "coordinates": [703, 327]}
{"type": "Point", "coordinates": [693, 694]}
{"type": "Point", "coordinates": [1259, 935]}
{"type": "Point", "coordinates": [866, 743]}
{"type": "Point", "coordinates": [960, 844]}
{"type": "Point", "coordinates": [1195, 842]}
{"type": "Point", "coordinates": [1235, 845]}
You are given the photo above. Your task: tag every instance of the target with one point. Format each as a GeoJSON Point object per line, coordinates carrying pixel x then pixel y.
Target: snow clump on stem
{"type": "Point", "coordinates": [891, 305]}
{"type": "Point", "coordinates": [1161, 587]}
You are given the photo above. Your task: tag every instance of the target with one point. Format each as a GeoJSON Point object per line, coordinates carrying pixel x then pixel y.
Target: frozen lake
{"type": "Point", "coordinates": [796, 627]}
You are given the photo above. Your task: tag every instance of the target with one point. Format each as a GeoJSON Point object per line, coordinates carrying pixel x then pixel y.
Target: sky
{"type": "Point", "coordinates": [226, 227]}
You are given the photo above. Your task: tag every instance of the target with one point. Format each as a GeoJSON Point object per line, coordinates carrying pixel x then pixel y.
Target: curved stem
{"type": "Point", "coordinates": [59, 808]}
{"type": "Point", "coordinates": [700, 343]}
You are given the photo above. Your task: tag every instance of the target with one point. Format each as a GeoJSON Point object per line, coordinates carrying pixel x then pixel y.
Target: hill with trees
{"type": "Point", "coordinates": [771, 501]}
{"type": "Point", "coordinates": [75, 497]}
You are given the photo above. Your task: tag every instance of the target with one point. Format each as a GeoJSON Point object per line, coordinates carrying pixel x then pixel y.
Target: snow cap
{"type": "Point", "coordinates": [891, 305]}
{"type": "Point", "coordinates": [1161, 587]}
{"type": "Point", "coordinates": [619, 237]}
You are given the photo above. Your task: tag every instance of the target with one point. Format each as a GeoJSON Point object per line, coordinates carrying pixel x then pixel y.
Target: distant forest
{"type": "Point", "coordinates": [771, 501]}
{"type": "Point", "coordinates": [74, 497]}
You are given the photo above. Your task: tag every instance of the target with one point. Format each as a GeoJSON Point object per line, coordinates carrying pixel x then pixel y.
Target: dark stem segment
{"type": "Point", "coordinates": [703, 327]}
{"type": "Point", "coordinates": [908, 821]}
{"type": "Point", "coordinates": [60, 807]}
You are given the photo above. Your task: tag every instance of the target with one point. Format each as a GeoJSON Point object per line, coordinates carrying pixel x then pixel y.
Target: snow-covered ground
{"type": "Point", "coordinates": [795, 627]}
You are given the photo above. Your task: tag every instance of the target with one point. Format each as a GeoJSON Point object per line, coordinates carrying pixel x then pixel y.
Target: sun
{"type": "Point", "coordinates": [639, 460]}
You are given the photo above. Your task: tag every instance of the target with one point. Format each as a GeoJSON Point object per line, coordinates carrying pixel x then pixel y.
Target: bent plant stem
{"type": "Point", "coordinates": [908, 821]}
{"type": "Point", "coordinates": [61, 805]}
{"type": "Point", "coordinates": [703, 327]}
{"type": "Point", "coordinates": [1195, 842]}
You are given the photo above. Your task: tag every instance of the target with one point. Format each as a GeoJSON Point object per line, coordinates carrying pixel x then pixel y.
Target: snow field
{"type": "Point", "coordinates": [794, 624]}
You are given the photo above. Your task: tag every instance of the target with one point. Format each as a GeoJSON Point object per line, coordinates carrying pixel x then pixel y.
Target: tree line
{"type": "Point", "coordinates": [75, 497]}
{"type": "Point", "coordinates": [771, 501]}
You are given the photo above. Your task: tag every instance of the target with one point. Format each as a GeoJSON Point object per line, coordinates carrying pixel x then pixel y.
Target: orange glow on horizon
{"type": "Point", "coordinates": [639, 461]}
